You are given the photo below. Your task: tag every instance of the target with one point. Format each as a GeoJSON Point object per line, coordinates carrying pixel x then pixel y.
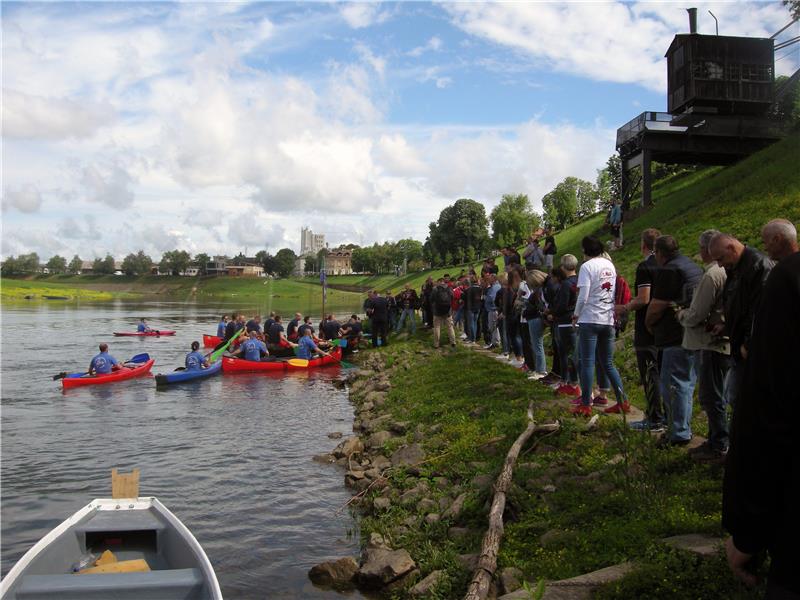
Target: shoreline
{"type": "Point", "coordinates": [432, 430]}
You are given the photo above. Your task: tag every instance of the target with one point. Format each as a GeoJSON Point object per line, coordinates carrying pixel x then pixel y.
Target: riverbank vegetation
{"type": "Point", "coordinates": [581, 500]}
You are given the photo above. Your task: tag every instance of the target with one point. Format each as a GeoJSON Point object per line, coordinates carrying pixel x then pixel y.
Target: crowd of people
{"type": "Point", "coordinates": [728, 328]}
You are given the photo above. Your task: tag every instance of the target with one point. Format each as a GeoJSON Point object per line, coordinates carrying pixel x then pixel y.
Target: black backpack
{"type": "Point", "coordinates": [441, 296]}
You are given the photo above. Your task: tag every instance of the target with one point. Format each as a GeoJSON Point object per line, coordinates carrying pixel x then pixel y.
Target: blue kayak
{"type": "Point", "coordinates": [183, 376]}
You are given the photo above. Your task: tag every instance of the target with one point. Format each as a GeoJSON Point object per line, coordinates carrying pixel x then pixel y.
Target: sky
{"type": "Point", "coordinates": [226, 127]}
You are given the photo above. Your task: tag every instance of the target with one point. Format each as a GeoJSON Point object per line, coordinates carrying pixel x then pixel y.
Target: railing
{"type": "Point", "coordinates": [658, 121]}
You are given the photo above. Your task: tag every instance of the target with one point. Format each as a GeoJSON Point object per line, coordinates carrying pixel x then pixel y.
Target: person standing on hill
{"type": "Point", "coordinates": [674, 286]}
{"type": "Point", "coordinates": [762, 470]}
{"type": "Point", "coordinates": [472, 308]}
{"type": "Point", "coordinates": [549, 250]}
{"type": "Point", "coordinates": [392, 304]}
{"type": "Point", "coordinates": [533, 255]}
{"type": "Point", "coordinates": [407, 300]}
{"type": "Point", "coordinates": [615, 221]}
{"type": "Point", "coordinates": [594, 315]}
{"type": "Point", "coordinates": [379, 319]}
{"type": "Point", "coordinates": [647, 355]}
{"type": "Point", "coordinates": [780, 239]}
{"type": "Point", "coordinates": [490, 308]}
{"type": "Point", "coordinates": [747, 270]}
{"type": "Point", "coordinates": [427, 314]}
{"type": "Point", "coordinates": [712, 353]}
{"type": "Point", "coordinates": [441, 300]}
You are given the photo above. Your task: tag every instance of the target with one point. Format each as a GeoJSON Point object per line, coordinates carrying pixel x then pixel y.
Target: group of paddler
{"type": "Point", "coordinates": [252, 341]}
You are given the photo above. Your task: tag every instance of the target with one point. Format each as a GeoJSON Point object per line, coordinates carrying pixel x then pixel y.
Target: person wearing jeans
{"type": "Point", "coordinates": [712, 353]}
{"type": "Point", "coordinates": [594, 314]}
{"type": "Point", "coordinates": [674, 286]}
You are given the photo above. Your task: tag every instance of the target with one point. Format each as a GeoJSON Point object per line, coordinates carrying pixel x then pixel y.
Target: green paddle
{"type": "Point", "coordinates": [220, 351]}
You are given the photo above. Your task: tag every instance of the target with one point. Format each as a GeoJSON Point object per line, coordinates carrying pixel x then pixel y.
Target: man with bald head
{"type": "Point", "coordinates": [780, 239]}
{"type": "Point", "coordinates": [747, 270]}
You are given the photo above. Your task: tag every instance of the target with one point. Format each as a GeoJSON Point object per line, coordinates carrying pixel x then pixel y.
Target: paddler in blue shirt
{"type": "Point", "coordinates": [103, 363]}
{"type": "Point", "coordinates": [221, 326]}
{"type": "Point", "coordinates": [143, 327]}
{"type": "Point", "coordinates": [194, 360]}
{"type": "Point", "coordinates": [252, 348]}
{"type": "Point", "coordinates": [306, 347]}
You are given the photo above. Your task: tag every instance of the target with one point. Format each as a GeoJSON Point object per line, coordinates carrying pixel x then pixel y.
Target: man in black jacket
{"type": "Point", "coordinates": [762, 475]}
{"type": "Point", "coordinates": [747, 270]}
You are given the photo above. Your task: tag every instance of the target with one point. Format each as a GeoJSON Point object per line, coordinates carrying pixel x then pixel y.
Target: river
{"type": "Point", "coordinates": [230, 456]}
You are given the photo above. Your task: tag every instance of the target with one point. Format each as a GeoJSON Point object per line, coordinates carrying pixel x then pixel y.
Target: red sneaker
{"type": "Point", "coordinates": [600, 401]}
{"type": "Point", "coordinates": [569, 390]}
{"type": "Point", "coordinates": [582, 411]}
{"type": "Point", "coordinates": [619, 407]}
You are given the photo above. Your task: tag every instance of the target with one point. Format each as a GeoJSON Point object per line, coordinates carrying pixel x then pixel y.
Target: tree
{"type": "Point", "coordinates": [794, 8]}
{"type": "Point", "coordinates": [448, 259]}
{"type": "Point", "coordinates": [57, 264]}
{"type": "Point", "coordinates": [461, 225]}
{"type": "Point", "coordinates": [137, 264]}
{"type": "Point", "coordinates": [174, 261]}
{"type": "Point", "coordinates": [310, 265]}
{"type": "Point", "coordinates": [103, 266]}
{"type": "Point", "coordinates": [586, 197]}
{"type": "Point", "coordinates": [28, 263]}
{"type": "Point", "coordinates": [76, 265]}
{"type": "Point", "coordinates": [787, 108]}
{"type": "Point", "coordinates": [608, 185]}
{"type": "Point", "coordinates": [201, 262]}
{"type": "Point", "coordinates": [267, 261]}
{"type": "Point", "coordinates": [284, 262]}
{"type": "Point", "coordinates": [10, 266]}
{"type": "Point", "coordinates": [513, 220]}
{"type": "Point", "coordinates": [561, 204]}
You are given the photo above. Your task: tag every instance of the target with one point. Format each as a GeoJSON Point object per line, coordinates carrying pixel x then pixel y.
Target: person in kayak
{"type": "Point", "coordinates": [221, 326]}
{"type": "Point", "coordinates": [194, 360]}
{"type": "Point", "coordinates": [233, 326]}
{"type": "Point", "coordinates": [276, 339]}
{"type": "Point", "coordinates": [143, 327]}
{"type": "Point", "coordinates": [254, 324]}
{"type": "Point", "coordinates": [103, 363]}
{"type": "Point", "coordinates": [306, 347]}
{"type": "Point", "coordinates": [292, 333]}
{"type": "Point", "coordinates": [252, 349]}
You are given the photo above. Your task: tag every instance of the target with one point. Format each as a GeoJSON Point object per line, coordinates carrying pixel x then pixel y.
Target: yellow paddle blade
{"type": "Point", "coordinates": [298, 362]}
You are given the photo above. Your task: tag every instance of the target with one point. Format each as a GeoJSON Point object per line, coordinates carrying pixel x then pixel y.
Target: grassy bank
{"type": "Point", "coordinates": [283, 295]}
{"type": "Point", "coordinates": [580, 500]}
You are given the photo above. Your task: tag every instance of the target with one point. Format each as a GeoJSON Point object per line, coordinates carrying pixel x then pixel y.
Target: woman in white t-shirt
{"type": "Point", "coordinates": [594, 315]}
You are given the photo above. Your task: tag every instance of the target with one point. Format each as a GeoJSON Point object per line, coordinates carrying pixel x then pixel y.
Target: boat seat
{"type": "Point", "coordinates": [172, 584]}
{"type": "Point", "coordinates": [128, 520]}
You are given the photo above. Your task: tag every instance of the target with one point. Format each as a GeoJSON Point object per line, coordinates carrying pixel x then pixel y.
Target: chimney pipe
{"type": "Point", "coordinates": [692, 19]}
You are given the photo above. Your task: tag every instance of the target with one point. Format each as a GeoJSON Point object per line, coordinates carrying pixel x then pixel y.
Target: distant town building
{"type": "Point", "coordinates": [246, 270]}
{"type": "Point", "coordinates": [218, 265]}
{"type": "Point", "coordinates": [310, 242]}
{"type": "Point", "coordinates": [338, 261]}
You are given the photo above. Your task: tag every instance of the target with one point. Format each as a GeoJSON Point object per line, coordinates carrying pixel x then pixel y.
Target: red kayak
{"type": "Point", "coordinates": [154, 333]}
{"type": "Point", "coordinates": [211, 341]}
{"type": "Point", "coordinates": [81, 379]}
{"type": "Point", "coordinates": [240, 365]}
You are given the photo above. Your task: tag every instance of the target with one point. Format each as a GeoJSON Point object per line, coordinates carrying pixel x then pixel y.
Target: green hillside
{"type": "Point", "coordinates": [738, 199]}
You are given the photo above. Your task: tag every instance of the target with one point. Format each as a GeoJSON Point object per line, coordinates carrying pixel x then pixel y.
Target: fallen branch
{"type": "Point", "coordinates": [487, 561]}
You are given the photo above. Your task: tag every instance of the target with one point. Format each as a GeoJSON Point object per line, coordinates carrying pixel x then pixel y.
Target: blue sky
{"type": "Point", "coordinates": [220, 127]}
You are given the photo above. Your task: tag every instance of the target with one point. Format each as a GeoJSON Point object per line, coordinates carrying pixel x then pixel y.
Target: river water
{"type": "Point", "coordinates": [230, 456]}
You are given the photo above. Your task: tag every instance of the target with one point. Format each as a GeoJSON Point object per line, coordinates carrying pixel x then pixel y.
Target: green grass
{"type": "Point", "coordinates": [282, 295]}
{"type": "Point", "coordinates": [615, 496]}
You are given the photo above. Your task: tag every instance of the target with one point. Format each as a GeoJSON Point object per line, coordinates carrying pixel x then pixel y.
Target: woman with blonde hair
{"type": "Point", "coordinates": [533, 313]}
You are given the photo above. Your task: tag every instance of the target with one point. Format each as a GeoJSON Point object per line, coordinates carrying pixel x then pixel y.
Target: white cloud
{"type": "Point", "coordinates": [84, 228]}
{"type": "Point", "coordinates": [606, 41]}
{"type": "Point", "coordinates": [27, 116]}
{"type": "Point", "coordinates": [109, 183]}
{"type": "Point", "coordinates": [434, 44]}
{"type": "Point", "coordinates": [25, 199]}
{"type": "Point", "coordinates": [362, 14]}
{"type": "Point", "coordinates": [432, 74]}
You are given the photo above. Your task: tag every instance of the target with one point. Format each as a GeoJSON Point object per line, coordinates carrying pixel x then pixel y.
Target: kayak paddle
{"type": "Point", "coordinates": [217, 352]}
